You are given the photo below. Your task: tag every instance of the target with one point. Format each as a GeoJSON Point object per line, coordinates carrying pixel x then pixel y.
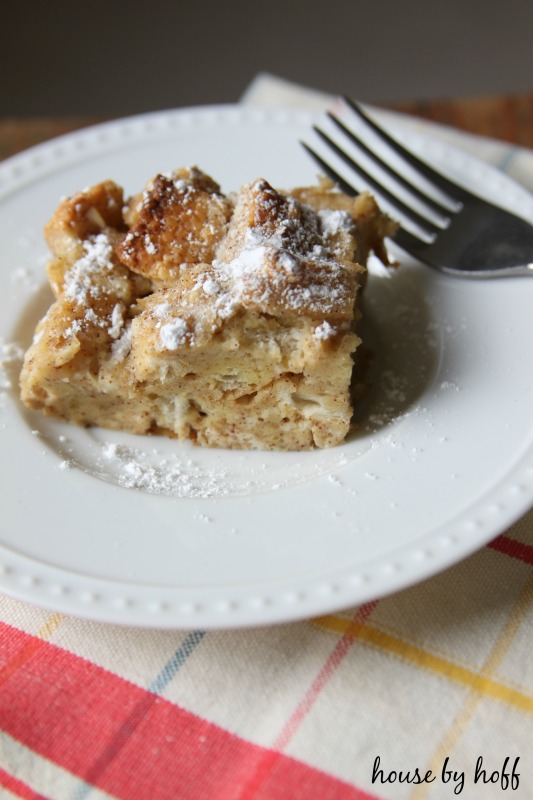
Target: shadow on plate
{"type": "Point", "coordinates": [401, 350]}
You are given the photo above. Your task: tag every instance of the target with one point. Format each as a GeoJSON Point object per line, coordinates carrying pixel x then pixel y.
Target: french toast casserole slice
{"type": "Point", "coordinates": [229, 320]}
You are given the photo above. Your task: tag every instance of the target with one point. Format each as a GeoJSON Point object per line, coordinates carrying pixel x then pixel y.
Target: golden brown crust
{"type": "Point", "coordinates": [76, 219]}
{"type": "Point", "coordinates": [179, 220]}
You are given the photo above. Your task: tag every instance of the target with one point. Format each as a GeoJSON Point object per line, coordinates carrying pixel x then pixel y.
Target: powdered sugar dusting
{"type": "Point", "coordinates": [121, 346]}
{"type": "Point", "coordinates": [169, 468]}
{"type": "Point", "coordinates": [174, 334]}
{"type": "Point", "coordinates": [324, 331]}
{"type": "Point", "coordinates": [335, 220]}
{"type": "Point", "coordinates": [79, 281]}
{"type": "Point", "coordinates": [11, 355]}
{"type": "Point", "coordinates": [117, 321]}
{"type": "Point", "coordinates": [264, 274]}
{"type": "Point", "coordinates": [138, 469]}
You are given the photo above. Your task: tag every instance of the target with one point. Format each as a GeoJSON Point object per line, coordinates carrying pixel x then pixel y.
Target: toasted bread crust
{"type": "Point", "coordinates": [179, 220]}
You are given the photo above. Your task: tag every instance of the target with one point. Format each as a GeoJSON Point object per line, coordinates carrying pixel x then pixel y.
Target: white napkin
{"type": "Point", "coordinates": [517, 162]}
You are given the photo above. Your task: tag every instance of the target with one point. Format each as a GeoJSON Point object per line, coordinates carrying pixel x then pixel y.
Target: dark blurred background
{"type": "Point", "coordinates": [120, 58]}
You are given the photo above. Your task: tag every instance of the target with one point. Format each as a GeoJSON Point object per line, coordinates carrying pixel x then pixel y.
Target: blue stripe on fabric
{"type": "Point", "coordinates": [158, 685]}
{"type": "Point", "coordinates": [176, 662]}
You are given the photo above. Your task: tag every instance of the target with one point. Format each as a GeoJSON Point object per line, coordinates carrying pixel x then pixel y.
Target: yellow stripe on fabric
{"type": "Point", "coordinates": [50, 626]}
{"type": "Point", "coordinates": [501, 647]}
{"type": "Point", "coordinates": [423, 658]}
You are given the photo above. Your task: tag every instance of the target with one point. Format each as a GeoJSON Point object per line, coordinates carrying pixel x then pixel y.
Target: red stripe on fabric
{"type": "Point", "coordinates": [335, 658]}
{"type": "Point", "coordinates": [133, 744]}
{"type": "Point", "coordinates": [512, 547]}
{"type": "Point", "coordinates": [18, 788]}
{"type": "Point", "coordinates": [255, 786]}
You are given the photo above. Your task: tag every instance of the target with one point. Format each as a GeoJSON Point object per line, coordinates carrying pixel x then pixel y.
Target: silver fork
{"type": "Point", "coordinates": [461, 234]}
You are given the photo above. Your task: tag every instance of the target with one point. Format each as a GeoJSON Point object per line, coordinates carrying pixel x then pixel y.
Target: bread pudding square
{"type": "Point", "coordinates": [226, 320]}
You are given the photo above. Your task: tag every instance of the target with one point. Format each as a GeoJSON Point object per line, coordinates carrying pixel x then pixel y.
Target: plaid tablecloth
{"type": "Point", "coordinates": [425, 694]}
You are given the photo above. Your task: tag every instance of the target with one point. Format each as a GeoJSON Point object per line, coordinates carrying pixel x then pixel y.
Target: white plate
{"type": "Point", "coordinates": [443, 460]}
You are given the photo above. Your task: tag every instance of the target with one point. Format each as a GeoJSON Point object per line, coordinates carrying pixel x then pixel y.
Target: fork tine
{"type": "Point", "coordinates": [409, 241]}
{"type": "Point", "coordinates": [439, 208]}
{"type": "Point", "coordinates": [344, 186]}
{"type": "Point", "coordinates": [447, 186]}
{"type": "Point", "coordinates": [426, 225]}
